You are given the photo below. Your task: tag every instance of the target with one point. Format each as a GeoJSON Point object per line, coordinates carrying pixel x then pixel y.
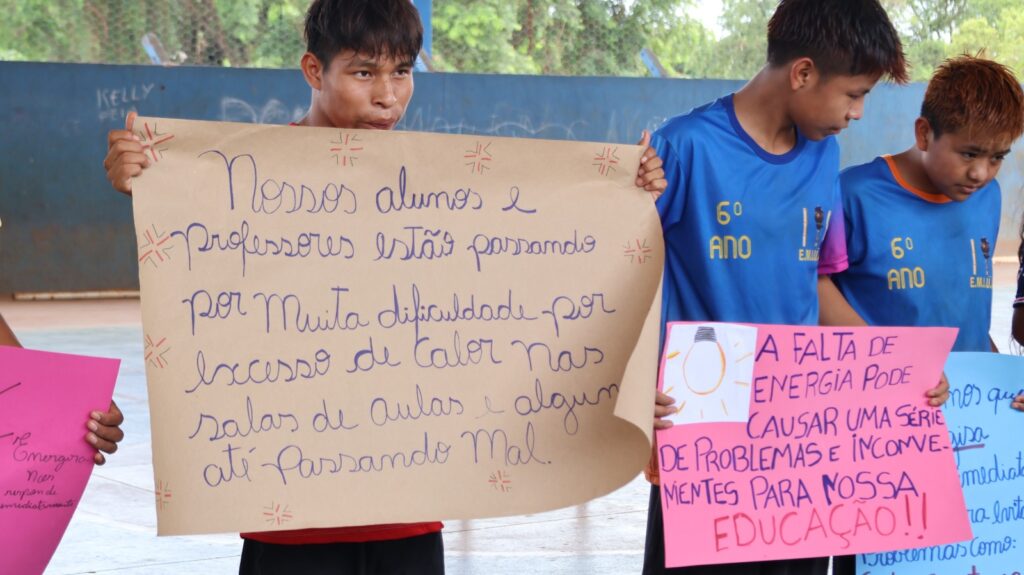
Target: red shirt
{"type": "Point", "coordinates": [359, 534]}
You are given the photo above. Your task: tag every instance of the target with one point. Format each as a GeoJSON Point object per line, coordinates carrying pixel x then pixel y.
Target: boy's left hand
{"type": "Point", "coordinates": [105, 431]}
{"type": "Point", "coordinates": [650, 176]}
{"type": "Point", "coordinates": [938, 394]}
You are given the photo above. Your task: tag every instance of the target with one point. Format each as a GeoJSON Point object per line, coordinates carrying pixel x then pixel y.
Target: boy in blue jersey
{"type": "Point", "coordinates": [752, 215]}
{"type": "Point", "coordinates": [921, 225]}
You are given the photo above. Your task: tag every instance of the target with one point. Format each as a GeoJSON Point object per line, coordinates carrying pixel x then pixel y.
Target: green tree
{"type": "Point", "coordinates": [561, 37]}
{"type": "Point", "coordinates": [924, 56]}
{"type": "Point", "coordinates": [997, 29]}
{"type": "Point", "coordinates": [938, 29]}
{"type": "Point", "coordinates": [933, 19]}
{"type": "Point", "coordinates": [476, 36]}
{"type": "Point", "coordinates": [611, 42]}
{"type": "Point", "coordinates": [685, 47]}
{"type": "Point", "coordinates": [211, 32]}
{"type": "Point", "coordinates": [741, 51]}
{"type": "Point", "coordinates": [568, 37]}
{"type": "Point", "coordinates": [42, 30]}
{"type": "Point", "coordinates": [548, 29]}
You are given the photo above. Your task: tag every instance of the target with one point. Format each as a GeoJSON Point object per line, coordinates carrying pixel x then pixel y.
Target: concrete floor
{"type": "Point", "coordinates": [114, 528]}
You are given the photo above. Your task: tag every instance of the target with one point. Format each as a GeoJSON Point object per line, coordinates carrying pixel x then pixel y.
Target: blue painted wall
{"type": "Point", "coordinates": [65, 230]}
{"type": "Point", "coordinates": [426, 10]}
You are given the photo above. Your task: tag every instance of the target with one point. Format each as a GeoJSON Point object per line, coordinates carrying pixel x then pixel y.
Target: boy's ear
{"type": "Point", "coordinates": [802, 73]}
{"type": "Point", "coordinates": [922, 134]}
{"type": "Point", "coordinates": [312, 70]}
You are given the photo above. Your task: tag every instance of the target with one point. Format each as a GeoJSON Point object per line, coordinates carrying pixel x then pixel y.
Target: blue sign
{"type": "Point", "coordinates": [988, 438]}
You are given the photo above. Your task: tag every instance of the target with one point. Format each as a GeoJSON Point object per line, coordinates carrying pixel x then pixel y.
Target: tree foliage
{"type": "Point", "coordinates": [934, 30]}
{"type": "Point", "coordinates": [559, 37]}
{"type": "Point", "coordinates": [205, 32]}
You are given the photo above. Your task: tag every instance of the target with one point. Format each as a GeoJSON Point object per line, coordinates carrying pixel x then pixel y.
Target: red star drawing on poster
{"type": "Point", "coordinates": [479, 158]}
{"type": "Point", "coordinates": [153, 141]}
{"type": "Point", "coordinates": [637, 251]}
{"type": "Point", "coordinates": [276, 514]}
{"type": "Point", "coordinates": [163, 495]}
{"type": "Point", "coordinates": [155, 352]}
{"type": "Point", "coordinates": [153, 249]}
{"type": "Point", "coordinates": [344, 149]}
{"type": "Point", "coordinates": [606, 160]}
{"type": "Point", "coordinates": [501, 481]}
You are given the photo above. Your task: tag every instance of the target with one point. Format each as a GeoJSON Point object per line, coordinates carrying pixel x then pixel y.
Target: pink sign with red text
{"type": "Point", "coordinates": [801, 441]}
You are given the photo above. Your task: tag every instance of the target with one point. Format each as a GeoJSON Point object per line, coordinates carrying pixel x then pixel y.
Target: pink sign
{"type": "Point", "coordinates": [798, 441]}
{"type": "Point", "coordinates": [45, 401]}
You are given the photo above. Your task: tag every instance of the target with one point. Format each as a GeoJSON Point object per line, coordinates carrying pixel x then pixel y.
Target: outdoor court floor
{"type": "Point", "coordinates": [114, 528]}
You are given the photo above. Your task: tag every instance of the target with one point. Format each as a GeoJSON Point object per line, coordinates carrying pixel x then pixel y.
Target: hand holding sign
{"type": "Point", "coordinates": [105, 431]}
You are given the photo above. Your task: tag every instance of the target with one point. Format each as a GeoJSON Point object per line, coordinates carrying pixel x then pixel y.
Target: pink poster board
{"type": "Point", "coordinates": [45, 401]}
{"type": "Point", "coordinates": [796, 441]}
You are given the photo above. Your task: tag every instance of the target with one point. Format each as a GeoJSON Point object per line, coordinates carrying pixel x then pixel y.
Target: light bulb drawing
{"type": "Point", "coordinates": [704, 364]}
{"type": "Point", "coordinates": [708, 369]}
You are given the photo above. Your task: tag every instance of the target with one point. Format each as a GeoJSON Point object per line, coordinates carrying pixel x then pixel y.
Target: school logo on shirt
{"type": "Point", "coordinates": [981, 267]}
{"type": "Point", "coordinates": [819, 218]}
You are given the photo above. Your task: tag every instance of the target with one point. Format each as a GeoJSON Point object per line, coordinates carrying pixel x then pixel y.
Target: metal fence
{"type": "Point", "coordinates": [258, 33]}
{"type": "Point", "coordinates": [676, 38]}
{"type": "Point", "coordinates": [554, 37]}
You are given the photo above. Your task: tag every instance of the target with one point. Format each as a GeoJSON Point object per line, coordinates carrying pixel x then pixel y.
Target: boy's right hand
{"type": "Point", "coordinates": [1018, 403]}
{"type": "Point", "coordinates": [664, 406]}
{"type": "Point", "coordinates": [126, 158]}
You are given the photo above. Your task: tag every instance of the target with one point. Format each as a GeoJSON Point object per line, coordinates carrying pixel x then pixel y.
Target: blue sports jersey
{"type": "Point", "coordinates": [744, 228]}
{"type": "Point", "coordinates": [919, 259]}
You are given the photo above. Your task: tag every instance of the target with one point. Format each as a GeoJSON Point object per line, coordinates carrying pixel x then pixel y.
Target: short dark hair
{"type": "Point", "coordinates": [849, 37]}
{"type": "Point", "coordinates": [976, 94]}
{"type": "Point", "coordinates": [388, 28]}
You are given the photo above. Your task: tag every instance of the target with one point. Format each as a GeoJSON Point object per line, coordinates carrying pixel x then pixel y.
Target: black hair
{"type": "Point", "coordinates": [849, 37]}
{"type": "Point", "coordinates": [376, 28]}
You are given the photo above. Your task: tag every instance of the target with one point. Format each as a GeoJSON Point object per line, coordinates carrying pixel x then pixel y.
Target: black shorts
{"type": "Point", "coordinates": [654, 554]}
{"type": "Point", "coordinates": [419, 555]}
{"type": "Point", "coordinates": [844, 565]}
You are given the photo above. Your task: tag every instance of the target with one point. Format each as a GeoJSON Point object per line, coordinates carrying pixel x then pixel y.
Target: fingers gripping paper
{"type": "Point", "coordinates": [347, 327]}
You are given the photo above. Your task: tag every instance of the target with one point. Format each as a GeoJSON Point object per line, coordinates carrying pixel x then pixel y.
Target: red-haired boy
{"type": "Point", "coordinates": [921, 225]}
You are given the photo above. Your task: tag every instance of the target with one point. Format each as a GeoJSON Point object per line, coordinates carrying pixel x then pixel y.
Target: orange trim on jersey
{"type": "Point", "coordinates": [933, 198]}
